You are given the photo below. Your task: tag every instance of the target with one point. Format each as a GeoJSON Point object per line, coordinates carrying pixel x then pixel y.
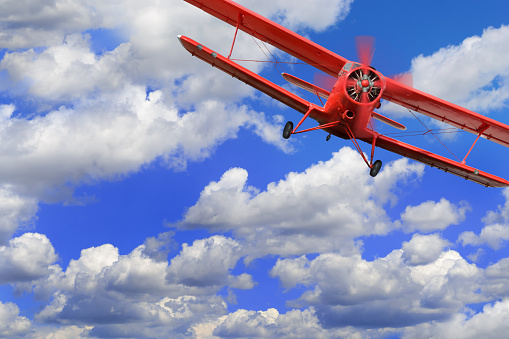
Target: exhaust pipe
{"type": "Point", "coordinates": [348, 115]}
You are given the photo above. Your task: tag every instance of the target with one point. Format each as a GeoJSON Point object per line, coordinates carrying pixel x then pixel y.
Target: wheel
{"type": "Point", "coordinates": [287, 131]}
{"type": "Point", "coordinates": [328, 138]}
{"type": "Point", "coordinates": [377, 165]}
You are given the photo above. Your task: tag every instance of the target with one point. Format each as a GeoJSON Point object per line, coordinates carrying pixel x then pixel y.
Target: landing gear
{"type": "Point", "coordinates": [287, 131]}
{"type": "Point", "coordinates": [328, 138]}
{"type": "Point", "coordinates": [377, 165]}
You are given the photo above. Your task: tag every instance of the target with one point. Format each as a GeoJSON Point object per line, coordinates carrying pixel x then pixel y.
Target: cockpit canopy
{"type": "Point", "coordinates": [349, 66]}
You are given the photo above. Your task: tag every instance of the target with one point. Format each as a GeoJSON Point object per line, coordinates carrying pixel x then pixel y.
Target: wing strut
{"type": "Point", "coordinates": [302, 120]}
{"type": "Point", "coordinates": [481, 130]}
{"type": "Point", "coordinates": [323, 126]}
{"type": "Point", "coordinates": [239, 20]}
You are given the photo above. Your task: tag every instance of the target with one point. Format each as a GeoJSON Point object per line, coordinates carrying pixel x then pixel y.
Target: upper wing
{"type": "Point", "coordinates": [274, 34]}
{"type": "Point", "coordinates": [447, 112]}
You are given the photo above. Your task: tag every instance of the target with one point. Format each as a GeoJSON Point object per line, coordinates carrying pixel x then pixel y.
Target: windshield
{"type": "Point", "coordinates": [349, 66]}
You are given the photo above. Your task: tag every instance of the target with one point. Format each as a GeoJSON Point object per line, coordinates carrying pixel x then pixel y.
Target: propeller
{"type": "Point", "coordinates": [324, 80]}
{"type": "Point", "coordinates": [404, 78]}
{"type": "Point", "coordinates": [365, 48]}
{"type": "Point", "coordinates": [364, 84]}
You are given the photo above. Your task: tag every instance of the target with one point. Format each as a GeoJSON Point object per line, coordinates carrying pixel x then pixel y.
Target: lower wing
{"type": "Point", "coordinates": [434, 160]}
{"type": "Point", "coordinates": [245, 75]}
{"type": "Point", "coordinates": [447, 112]}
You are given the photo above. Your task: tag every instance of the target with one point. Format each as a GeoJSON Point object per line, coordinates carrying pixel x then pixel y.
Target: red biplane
{"type": "Point", "coordinates": [356, 93]}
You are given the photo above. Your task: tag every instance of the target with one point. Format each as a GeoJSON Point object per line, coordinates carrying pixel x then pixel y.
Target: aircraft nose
{"type": "Point", "coordinates": [365, 83]}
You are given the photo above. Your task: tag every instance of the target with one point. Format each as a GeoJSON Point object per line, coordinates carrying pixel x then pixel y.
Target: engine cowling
{"type": "Point", "coordinates": [364, 85]}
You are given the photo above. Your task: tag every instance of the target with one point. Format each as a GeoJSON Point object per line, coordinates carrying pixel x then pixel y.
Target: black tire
{"type": "Point", "coordinates": [287, 131]}
{"type": "Point", "coordinates": [377, 165]}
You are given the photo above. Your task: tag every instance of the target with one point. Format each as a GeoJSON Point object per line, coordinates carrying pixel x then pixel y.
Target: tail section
{"type": "Point", "coordinates": [388, 121]}
{"type": "Point", "coordinates": [306, 85]}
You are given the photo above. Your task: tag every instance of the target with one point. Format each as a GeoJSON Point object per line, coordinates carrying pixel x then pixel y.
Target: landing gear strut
{"type": "Point", "coordinates": [287, 131]}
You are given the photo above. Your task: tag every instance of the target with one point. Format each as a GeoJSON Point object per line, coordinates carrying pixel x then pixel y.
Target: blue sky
{"type": "Point", "coordinates": [144, 193]}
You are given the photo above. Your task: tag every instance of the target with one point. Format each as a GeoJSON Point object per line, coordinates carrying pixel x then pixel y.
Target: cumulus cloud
{"type": "Point", "coordinates": [102, 289]}
{"type": "Point", "coordinates": [386, 292]}
{"type": "Point", "coordinates": [492, 235]}
{"type": "Point", "coordinates": [15, 211]}
{"type": "Point", "coordinates": [26, 258]}
{"type": "Point", "coordinates": [305, 212]}
{"type": "Point", "coordinates": [63, 331]}
{"type": "Point", "coordinates": [205, 263]}
{"type": "Point", "coordinates": [98, 292]}
{"type": "Point", "coordinates": [11, 323]}
{"type": "Point", "coordinates": [46, 21]}
{"type": "Point", "coordinates": [430, 216]}
{"type": "Point", "coordinates": [114, 138]}
{"type": "Point", "coordinates": [143, 56]}
{"type": "Point", "coordinates": [423, 249]}
{"type": "Point", "coordinates": [479, 60]}
{"type": "Point", "coordinates": [490, 323]}
{"type": "Point", "coordinates": [496, 229]}
{"type": "Point", "coordinates": [67, 71]}
{"type": "Point", "coordinates": [317, 16]}
{"type": "Point", "coordinates": [270, 324]}
{"type": "Point", "coordinates": [101, 102]}
{"type": "Point", "coordinates": [473, 74]}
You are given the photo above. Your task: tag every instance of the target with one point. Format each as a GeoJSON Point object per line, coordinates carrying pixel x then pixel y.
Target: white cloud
{"type": "Point", "coordinates": [478, 60]}
{"type": "Point", "coordinates": [492, 235]}
{"type": "Point", "coordinates": [15, 211]}
{"type": "Point", "coordinates": [305, 212]}
{"type": "Point", "coordinates": [118, 129]}
{"type": "Point", "coordinates": [67, 71]}
{"type": "Point", "coordinates": [473, 74]}
{"type": "Point", "coordinates": [11, 323]}
{"type": "Point", "coordinates": [496, 229]}
{"type": "Point", "coordinates": [270, 324]}
{"type": "Point", "coordinates": [291, 272]}
{"type": "Point", "coordinates": [496, 279]}
{"type": "Point", "coordinates": [6, 111]}
{"type": "Point", "coordinates": [206, 263]}
{"type": "Point", "coordinates": [102, 289]}
{"type": "Point", "coordinates": [317, 15]}
{"type": "Point", "coordinates": [106, 112]}
{"type": "Point", "coordinates": [61, 332]}
{"type": "Point", "coordinates": [501, 215]}
{"type": "Point", "coordinates": [115, 135]}
{"type": "Point", "coordinates": [423, 249]}
{"type": "Point", "coordinates": [385, 292]}
{"type": "Point", "coordinates": [490, 323]}
{"type": "Point", "coordinates": [25, 258]}
{"type": "Point", "coordinates": [148, 38]}
{"type": "Point", "coordinates": [430, 216]}
{"type": "Point", "coordinates": [39, 23]}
